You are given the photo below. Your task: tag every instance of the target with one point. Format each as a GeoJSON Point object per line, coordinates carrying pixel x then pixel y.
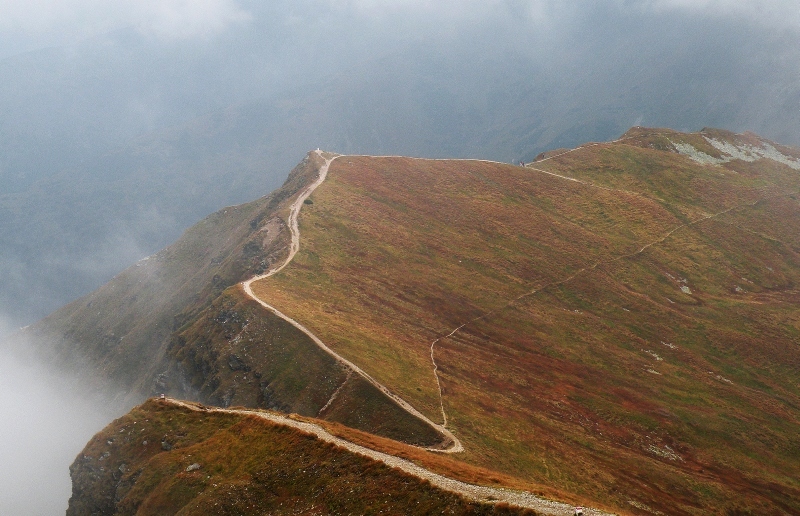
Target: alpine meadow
{"type": "Point", "coordinates": [380, 257]}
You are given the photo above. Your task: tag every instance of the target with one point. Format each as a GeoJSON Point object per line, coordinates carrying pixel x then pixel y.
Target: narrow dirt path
{"type": "Point", "coordinates": [336, 393]}
{"type": "Point", "coordinates": [469, 491]}
{"type": "Point", "coordinates": [452, 444]}
{"type": "Point", "coordinates": [594, 266]}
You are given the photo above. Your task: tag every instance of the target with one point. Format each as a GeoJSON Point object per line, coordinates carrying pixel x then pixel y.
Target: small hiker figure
{"type": "Point", "coordinates": [162, 397]}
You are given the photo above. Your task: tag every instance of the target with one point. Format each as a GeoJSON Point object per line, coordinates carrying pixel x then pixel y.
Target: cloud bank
{"type": "Point", "coordinates": [36, 23]}
{"type": "Point", "coordinates": [47, 418]}
{"type": "Point", "coordinates": [31, 24]}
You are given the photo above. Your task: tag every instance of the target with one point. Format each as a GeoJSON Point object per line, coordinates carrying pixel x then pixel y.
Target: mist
{"type": "Point", "coordinates": [47, 420]}
{"type": "Point", "coordinates": [113, 110]}
{"type": "Point", "coordinates": [123, 123]}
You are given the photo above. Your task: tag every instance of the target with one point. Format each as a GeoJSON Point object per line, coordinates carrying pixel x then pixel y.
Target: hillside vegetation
{"type": "Point", "coordinates": [241, 355]}
{"type": "Point", "coordinates": [615, 325]}
{"type": "Point", "coordinates": [627, 332]}
{"type": "Point", "coordinates": [179, 323]}
{"type": "Point", "coordinates": [165, 459]}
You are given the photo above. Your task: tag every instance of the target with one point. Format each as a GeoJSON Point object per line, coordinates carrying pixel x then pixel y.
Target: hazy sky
{"type": "Point", "coordinates": [192, 57]}
{"type": "Point", "coordinates": [132, 67]}
{"type": "Point", "coordinates": [30, 24]}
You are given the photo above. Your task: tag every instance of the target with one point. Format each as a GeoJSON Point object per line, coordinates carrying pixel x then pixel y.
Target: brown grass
{"type": "Point", "coordinates": [247, 466]}
{"type": "Point", "coordinates": [613, 386]}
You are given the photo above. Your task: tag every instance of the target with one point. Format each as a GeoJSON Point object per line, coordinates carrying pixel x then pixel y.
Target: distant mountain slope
{"type": "Point", "coordinates": [619, 320]}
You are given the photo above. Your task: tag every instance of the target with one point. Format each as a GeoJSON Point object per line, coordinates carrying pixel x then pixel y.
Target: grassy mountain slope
{"type": "Point", "coordinates": [140, 464]}
{"type": "Point", "coordinates": [179, 322]}
{"type": "Point", "coordinates": [617, 323]}
{"type": "Point", "coordinates": [211, 134]}
{"type": "Point", "coordinates": [239, 354]}
{"type": "Point", "coordinates": [629, 330]}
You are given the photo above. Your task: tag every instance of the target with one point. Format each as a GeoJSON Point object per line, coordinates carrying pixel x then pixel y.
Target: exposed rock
{"type": "Point", "coordinates": [236, 364]}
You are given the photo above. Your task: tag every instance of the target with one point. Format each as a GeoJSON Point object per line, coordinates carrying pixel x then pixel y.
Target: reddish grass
{"type": "Point", "coordinates": [613, 386]}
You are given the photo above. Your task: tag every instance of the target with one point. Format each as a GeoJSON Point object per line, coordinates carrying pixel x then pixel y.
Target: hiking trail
{"type": "Point", "coordinates": [469, 491]}
{"type": "Point", "coordinates": [452, 444]}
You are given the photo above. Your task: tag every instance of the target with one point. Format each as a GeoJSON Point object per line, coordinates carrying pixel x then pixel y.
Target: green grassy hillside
{"type": "Point", "coordinates": [628, 332]}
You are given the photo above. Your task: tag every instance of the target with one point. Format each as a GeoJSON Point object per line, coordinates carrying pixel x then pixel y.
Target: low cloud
{"type": "Point", "coordinates": [37, 23]}
{"type": "Point", "coordinates": [47, 420]}
{"type": "Point", "coordinates": [449, 11]}
{"type": "Point", "coordinates": [185, 19]}
{"type": "Point", "coordinates": [785, 13]}
{"type": "Point", "coordinates": [30, 24]}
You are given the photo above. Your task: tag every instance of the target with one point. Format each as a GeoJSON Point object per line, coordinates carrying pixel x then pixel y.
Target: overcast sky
{"type": "Point", "coordinates": [127, 68]}
{"type": "Point", "coordinates": [31, 24]}
{"type": "Point", "coordinates": [588, 58]}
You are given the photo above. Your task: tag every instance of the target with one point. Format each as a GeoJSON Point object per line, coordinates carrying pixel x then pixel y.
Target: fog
{"type": "Point", "coordinates": [43, 429]}
{"type": "Point", "coordinates": [123, 123]}
{"type": "Point", "coordinates": [47, 418]}
{"type": "Point", "coordinates": [96, 97]}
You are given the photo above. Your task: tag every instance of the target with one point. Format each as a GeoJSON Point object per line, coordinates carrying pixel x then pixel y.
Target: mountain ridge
{"type": "Point", "coordinates": [614, 298]}
{"type": "Point", "coordinates": [686, 201]}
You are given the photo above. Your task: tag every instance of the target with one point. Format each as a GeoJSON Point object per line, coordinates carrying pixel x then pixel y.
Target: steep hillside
{"type": "Point", "coordinates": [236, 353]}
{"type": "Point", "coordinates": [179, 323]}
{"type": "Point", "coordinates": [619, 321]}
{"type": "Point", "coordinates": [615, 324]}
{"type": "Point", "coordinates": [167, 459]}
{"type": "Point", "coordinates": [123, 328]}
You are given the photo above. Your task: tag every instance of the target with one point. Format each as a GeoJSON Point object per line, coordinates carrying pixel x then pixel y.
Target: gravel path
{"type": "Point", "coordinates": [451, 442]}
{"type": "Point", "coordinates": [468, 491]}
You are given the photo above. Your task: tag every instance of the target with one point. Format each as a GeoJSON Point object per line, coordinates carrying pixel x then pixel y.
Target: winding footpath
{"type": "Point", "coordinates": [453, 445]}
{"type": "Point", "coordinates": [469, 491]}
